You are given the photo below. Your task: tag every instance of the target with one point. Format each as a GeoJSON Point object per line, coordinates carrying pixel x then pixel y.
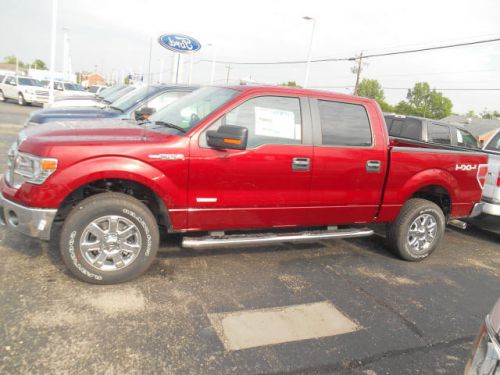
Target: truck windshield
{"type": "Point", "coordinates": [132, 98]}
{"type": "Point", "coordinates": [188, 111]}
{"type": "Point", "coordinates": [494, 144]}
{"type": "Point", "coordinates": [30, 82]}
{"type": "Point", "coordinates": [73, 87]}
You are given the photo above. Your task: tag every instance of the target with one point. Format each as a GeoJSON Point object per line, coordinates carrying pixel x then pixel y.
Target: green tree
{"type": "Point", "coordinates": [12, 60]}
{"type": "Point", "coordinates": [471, 113]}
{"type": "Point", "coordinates": [371, 88]}
{"type": "Point", "coordinates": [290, 83]}
{"type": "Point", "coordinates": [424, 102]}
{"type": "Point", "coordinates": [39, 64]}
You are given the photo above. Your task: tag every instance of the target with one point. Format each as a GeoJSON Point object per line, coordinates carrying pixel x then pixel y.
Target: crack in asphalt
{"type": "Point", "coordinates": [358, 363]}
{"type": "Point", "coordinates": [409, 324]}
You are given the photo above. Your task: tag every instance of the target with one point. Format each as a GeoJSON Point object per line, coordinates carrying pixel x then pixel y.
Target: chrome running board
{"type": "Point", "coordinates": [258, 239]}
{"type": "Point", "coordinates": [457, 223]}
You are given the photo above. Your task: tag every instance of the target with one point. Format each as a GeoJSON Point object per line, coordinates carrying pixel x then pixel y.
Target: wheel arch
{"type": "Point", "coordinates": [130, 187]}
{"type": "Point", "coordinates": [116, 174]}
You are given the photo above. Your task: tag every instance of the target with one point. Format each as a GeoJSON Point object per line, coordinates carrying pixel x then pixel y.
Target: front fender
{"type": "Point", "coordinates": [170, 189]}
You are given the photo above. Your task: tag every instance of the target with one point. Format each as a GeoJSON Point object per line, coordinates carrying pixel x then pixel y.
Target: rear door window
{"type": "Point", "coordinates": [439, 134]}
{"type": "Point", "coordinates": [344, 124]}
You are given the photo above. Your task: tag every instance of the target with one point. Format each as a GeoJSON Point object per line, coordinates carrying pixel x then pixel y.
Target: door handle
{"type": "Point", "coordinates": [373, 166]}
{"type": "Point", "coordinates": [301, 164]}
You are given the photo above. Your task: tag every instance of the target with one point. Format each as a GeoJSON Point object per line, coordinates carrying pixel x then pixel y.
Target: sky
{"type": "Point", "coordinates": [114, 38]}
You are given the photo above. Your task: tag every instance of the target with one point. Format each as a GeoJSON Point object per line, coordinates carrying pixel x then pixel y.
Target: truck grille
{"type": "Point", "coordinates": [42, 93]}
{"type": "Point", "coordinates": [11, 158]}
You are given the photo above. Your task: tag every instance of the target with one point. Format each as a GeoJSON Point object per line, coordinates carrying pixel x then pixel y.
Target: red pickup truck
{"type": "Point", "coordinates": [229, 166]}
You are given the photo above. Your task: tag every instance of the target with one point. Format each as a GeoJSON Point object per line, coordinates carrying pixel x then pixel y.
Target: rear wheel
{"type": "Point", "coordinates": [417, 231]}
{"type": "Point", "coordinates": [20, 99]}
{"type": "Point", "coordinates": [109, 238]}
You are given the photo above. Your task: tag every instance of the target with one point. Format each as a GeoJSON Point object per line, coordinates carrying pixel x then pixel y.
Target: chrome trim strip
{"type": "Point", "coordinates": [436, 151]}
{"type": "Point", "coordinates": [193, 209]}
{"type": "Point", "coordinates": [271, 238]}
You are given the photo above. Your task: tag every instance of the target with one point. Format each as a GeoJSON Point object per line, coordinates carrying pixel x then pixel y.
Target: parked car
{"type": "Point", "coordinates": [491, 193]}
{"type": "Point", "coordinates": [102, 100]}
{"type": "Point", "coordinates": [427, 130]}
{"type": "Point", "coordinates": [485, 359]}
{"type": "Point", "coordinates": [63, 89]}
{"type": "Point", "coordinates": [24, 90]}
{"type": "Point", "coordinates": [96, 89]}
{"type": "Point", "coordinates": [147, 98]}
{"type": "Point", "coordinates": [249, 159]}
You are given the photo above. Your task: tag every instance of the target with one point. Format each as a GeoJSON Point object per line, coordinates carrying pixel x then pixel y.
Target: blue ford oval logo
{"type": "Point", "coordinates": [179, 43]}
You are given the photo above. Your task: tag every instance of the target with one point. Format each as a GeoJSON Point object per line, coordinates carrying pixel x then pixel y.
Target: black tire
{"type": "Point", "coordinates": [102, 205]}
{"type": "Point", "coordinates": [2, 96]}
{"type": "Point", "coordinates": [398, 231]}
{"type": "Point", "coordinates": [20, 99]}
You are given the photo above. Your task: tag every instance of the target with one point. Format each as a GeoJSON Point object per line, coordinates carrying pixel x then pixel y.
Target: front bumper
{"type": "Point", "coordinates": [34, 222]}
{"type": "Point", "coordinates": [33, 98]}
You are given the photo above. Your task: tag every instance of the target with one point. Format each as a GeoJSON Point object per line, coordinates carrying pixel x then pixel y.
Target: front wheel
{"type": "Point", "coordinates": [109, 238]}
{"type": "Point", "coordinates": [20, 99]}
{"type": "Point", "coordinates": [417, 231]}
{"type": "Point", "coordinates": [2, 96]}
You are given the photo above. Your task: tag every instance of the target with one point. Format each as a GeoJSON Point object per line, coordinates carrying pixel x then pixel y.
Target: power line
{"type": "Point", "coordinates": [409, 88]}
{"type": "Point", "coordinates": [337, 59]}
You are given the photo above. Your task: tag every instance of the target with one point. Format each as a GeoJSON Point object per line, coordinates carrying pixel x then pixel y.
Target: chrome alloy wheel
{"type": "Point", "coordinates": [422, 232]}
{"type": "Point", "coordinates": [110, 243]}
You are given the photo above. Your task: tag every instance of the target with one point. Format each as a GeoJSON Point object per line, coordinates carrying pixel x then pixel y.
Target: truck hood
{"type": "Point", "coordinates": [70, 113]}
{"type": "Point", "coordinates": [86, 132]}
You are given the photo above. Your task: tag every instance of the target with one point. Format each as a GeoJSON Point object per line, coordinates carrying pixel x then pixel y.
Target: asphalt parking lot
{"type": "Point", "coordinates": [401, 318]}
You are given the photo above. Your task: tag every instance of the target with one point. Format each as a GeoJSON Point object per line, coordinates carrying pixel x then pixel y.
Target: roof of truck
{"type": "Point", "coordinates": [298, 91]}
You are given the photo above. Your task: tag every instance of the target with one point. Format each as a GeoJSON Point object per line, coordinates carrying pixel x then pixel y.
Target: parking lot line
{"type": "Point", "coordinates": [252, 328]}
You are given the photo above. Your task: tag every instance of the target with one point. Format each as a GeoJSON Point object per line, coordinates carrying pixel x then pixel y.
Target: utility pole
{"type": "Point", "coordinates": [358, 73]}
{"type": "Point", "coordinates": [228, 67]}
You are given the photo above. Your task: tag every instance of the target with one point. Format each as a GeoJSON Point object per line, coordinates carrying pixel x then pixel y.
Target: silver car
{"type": "Point", "coordinates": [485, 358]}
{"type": "Point", "coordinates": [491, 192]}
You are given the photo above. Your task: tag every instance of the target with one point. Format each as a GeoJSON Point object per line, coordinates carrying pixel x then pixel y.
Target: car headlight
{"type": "Point", "coordinates": [32, 169]}
{"type": "Point", "coordinates": [486, 352]}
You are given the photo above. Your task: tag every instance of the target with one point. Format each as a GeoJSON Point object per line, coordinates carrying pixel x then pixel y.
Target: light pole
{"type": "Point", "coordinates": [308, 66]}
{"type": "Point", "coordinates": [53, 50]}
{"type": "Point", "coordinates": [212, 74]}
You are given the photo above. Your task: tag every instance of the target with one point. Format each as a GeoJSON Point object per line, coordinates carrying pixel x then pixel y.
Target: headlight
{"type": "Point", "coordinates": [32, 169]}
{"type": "Point", "coordinates": [486, 352]}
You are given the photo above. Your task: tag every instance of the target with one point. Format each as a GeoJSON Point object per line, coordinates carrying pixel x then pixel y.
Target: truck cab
{"type": "Point", "coordinates": [428, 130]}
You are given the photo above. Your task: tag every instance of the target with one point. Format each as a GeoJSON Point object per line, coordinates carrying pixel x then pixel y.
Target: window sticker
{"type": "Point", "coordinates": [460, 139]}
{"type": "Point", "coordinates": [277, 123]}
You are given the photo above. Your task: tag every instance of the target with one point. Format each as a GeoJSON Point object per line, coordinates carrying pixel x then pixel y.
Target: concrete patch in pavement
{"type": "Point", "coordinates": [252, 328]}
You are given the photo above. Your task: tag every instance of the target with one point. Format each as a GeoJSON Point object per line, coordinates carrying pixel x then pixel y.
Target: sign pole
{"type": "Point", "coordinates": [177, 70]}
{"type": "Point", "coordinates": [190, 68]}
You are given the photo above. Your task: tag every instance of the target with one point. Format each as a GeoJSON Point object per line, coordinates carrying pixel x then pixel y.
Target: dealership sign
{"type": "Point", "coordinates": [179, 43]}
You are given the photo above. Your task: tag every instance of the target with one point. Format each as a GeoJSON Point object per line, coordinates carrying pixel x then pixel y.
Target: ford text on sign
{"type": "Point", "coordinates": [179, 43]}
